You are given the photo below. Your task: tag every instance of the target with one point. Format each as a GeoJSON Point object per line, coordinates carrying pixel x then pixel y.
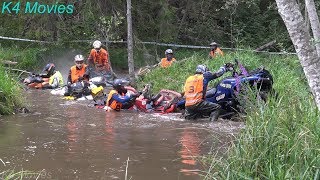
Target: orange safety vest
{"type": "Point", "coordinates": [76, 73]}
{"type": "Point", "coordinates": [215, 53]}
{"type": "Point", "coordinates": [193, 89]}
{"type": "Point", "coordinates": [165, 63]}
{"type": "Point", "coordinates": [101, 58]}
{"type": "Point", "coordinates": [113, 104]}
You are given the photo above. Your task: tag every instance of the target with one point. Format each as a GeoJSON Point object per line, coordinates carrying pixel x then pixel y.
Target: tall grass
{"type": "Point", "coordinates": [10, 90]}
{"type": "Point", "coordinates": [10, 93]}
{"type": "Point", "coordinates": [27, 58]}
{"type": "Point", "coordinates": [282, 137]}
{"type": "Point", "coordinates": [281, 141]}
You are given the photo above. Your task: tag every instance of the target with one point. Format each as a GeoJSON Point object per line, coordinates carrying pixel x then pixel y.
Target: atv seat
{"type": "Point", "coordinates": [211, 92]}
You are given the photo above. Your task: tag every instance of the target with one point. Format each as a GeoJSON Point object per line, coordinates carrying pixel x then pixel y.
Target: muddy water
{"type": "Point", "coordinates": [69, 140]}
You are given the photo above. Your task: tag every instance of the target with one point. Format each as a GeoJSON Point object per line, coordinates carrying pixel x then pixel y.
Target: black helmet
{"type": "Point", "coordinates": [117, 83]}
{"type": "Point", "coordinates": [201, 68]}
{"type": "Point", "coordinates": [49, 68]}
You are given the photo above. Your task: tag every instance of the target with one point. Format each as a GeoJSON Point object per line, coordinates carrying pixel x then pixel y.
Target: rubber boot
{"type": "Point", "coordinates": [215, 115]}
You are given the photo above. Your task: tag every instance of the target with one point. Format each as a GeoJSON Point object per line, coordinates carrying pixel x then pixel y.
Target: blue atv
{"type": "Point", "coordinates": [229, 92]}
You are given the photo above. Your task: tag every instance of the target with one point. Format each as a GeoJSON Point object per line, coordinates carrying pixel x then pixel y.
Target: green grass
{"type": "Point", "coordinates": [10, 93]}
{"type": "Point", "coordinates": [10, 88]}
{"type": "Point", "coordinates": [281, 139]}
{"type": "Point", "coordinates": [28, 58]}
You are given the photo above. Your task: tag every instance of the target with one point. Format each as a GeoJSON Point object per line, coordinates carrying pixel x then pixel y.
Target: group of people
{"type": "Point", "coordinates": [50, 78]}
{"type": "Point", "coordinates": [215, 51]}
{"type": "Point", "coordinates": [195, 87]}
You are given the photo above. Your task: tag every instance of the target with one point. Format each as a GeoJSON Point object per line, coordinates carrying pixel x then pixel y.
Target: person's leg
{"type": "Point", "coordinates": [209, 109]}
{"type": "Point", "coordinates": [190, 113]}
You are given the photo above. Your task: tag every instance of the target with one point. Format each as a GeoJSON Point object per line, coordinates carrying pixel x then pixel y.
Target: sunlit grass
{"type": "Point", "coordinates": [282, 137]}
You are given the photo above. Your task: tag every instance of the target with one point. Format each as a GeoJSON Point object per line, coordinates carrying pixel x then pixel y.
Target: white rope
{"type": "Point", "coordinates": [19, 39]}
{"type": "Point", "coordinates": [155, 43]}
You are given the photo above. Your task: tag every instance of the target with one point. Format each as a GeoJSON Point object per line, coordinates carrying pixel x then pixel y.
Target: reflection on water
{"type": "Point", "coordinates": [72, 130]}
{"type": "Point", "coordinates": [190, 150]}
{"type": "Point", "coordinates": [68, 140]}
{"type": "Point", "coordinates": [109, 134]}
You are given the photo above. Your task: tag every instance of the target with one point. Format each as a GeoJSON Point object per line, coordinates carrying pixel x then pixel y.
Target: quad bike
{"type": "Point", "coordinates": [36, 81]}
{"type": "Point", "coordinates": [229, 92]}
{"type": "Point", "coordinates": [163, 102]}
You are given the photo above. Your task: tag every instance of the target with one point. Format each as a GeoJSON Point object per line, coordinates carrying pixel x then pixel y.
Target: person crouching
{"type": "Point", "coordinates": [118, 98]}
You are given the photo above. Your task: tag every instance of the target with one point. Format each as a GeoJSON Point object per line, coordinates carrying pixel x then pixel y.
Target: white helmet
{"type": "Point", "coordinates": [97, 44]}
{"type": "Point", "coordinates": [213, 44]}
{"type": "Point", "coordinates": [168, 51]}
{"type": "Point", "coordinates": [78, 57]}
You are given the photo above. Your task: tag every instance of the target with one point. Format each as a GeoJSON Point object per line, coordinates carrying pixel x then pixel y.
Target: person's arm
{"type": "Point", "coordinates": [69, 81]}
{"type": "Point", "coordinates": [55, 83]}
{"type": "Point", "coordinates": [208, 76]}
{"type": "Point", "coordinates": [91, 59]}
{"type": "Point", "coordinates": [121, 99]}
{"type": "Point", "coordinates": [105, 60]}
{"type": "Point", "coordinates": [87, 73]}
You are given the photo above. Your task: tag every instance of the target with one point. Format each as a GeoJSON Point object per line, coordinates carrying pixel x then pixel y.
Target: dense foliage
{"type": "Point", "coordinates": [228, 22]}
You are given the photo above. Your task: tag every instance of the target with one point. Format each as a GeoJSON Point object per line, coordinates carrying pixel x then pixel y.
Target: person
{"type": "Point", "coordinates": [79, 71]}
{"type": "Point", "coordinates": [168, 60]}
{"type": "Point", "coordinates": [99, 58]}
{"type": "Point", "coordinates": [48, 79]}
{"type": "Point", "coordinates": [117, 98]}
{"type": "Point", "coordinates": [215, 50]}
{"type": "Point", "coordinates": [194, 89]}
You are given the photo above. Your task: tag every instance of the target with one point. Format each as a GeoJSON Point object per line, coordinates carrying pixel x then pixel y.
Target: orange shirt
{"type": "Point", "coordinates": [76, 73]}
{"type": "Point", "coordinates": [193, 89]}
{"type": "Point", "coordinates": [165, 63]}
{"type": "Point", "coordinates": [100, 58]}
{"type": "Point", "coordinates": [215, 53]}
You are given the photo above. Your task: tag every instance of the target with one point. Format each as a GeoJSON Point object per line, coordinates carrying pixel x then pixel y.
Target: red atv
{"type": "Point", "coordinates": [163, 102]}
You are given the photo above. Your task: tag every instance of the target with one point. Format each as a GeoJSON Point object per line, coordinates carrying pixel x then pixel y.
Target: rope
{"type": "Point", "coordinates": [152, 43]}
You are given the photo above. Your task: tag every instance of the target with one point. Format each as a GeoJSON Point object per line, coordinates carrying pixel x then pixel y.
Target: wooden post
{"type": "Point", "coordinates": [130, 43]}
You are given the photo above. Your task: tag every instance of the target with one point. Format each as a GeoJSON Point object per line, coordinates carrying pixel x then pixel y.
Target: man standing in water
{"type": "Point", "coordinates": [98, 59]}
{"type": "Point", "coordinates": [195, 89]}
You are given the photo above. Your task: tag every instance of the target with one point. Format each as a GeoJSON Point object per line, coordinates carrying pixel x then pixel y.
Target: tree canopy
{"type": "Point", "coordinates": [231, 23]}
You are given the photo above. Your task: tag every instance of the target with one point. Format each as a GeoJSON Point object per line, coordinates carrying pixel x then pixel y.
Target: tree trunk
{"type": "Point", "coordinates": [293, 19]}
{"type": "Point", "coordinates": [315, 24]}
{"type": "Point", "coordinates": [130, 42]}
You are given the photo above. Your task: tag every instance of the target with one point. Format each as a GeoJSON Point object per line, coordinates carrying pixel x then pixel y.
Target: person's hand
{"type": "Point", "coordinates": [133, 97]}
{"type": "Point", "coordinates": [229, 66]}
{"type": "Point", "coordinates": [80, 78]}
{"type": "Point", "coordinates": [33, 74]}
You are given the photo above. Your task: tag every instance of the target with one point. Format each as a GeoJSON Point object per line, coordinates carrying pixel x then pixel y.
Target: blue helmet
{"type": "Point", "coordinates": [201, 68]}
{"type": "Point", "coordinates": [49, 68]}
{"type": "Point", "coordinates": [117, 83]}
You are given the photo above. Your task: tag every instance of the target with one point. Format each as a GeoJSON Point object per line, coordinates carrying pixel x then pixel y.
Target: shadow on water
{"type": "Point", "coordinates": [69, 140]}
